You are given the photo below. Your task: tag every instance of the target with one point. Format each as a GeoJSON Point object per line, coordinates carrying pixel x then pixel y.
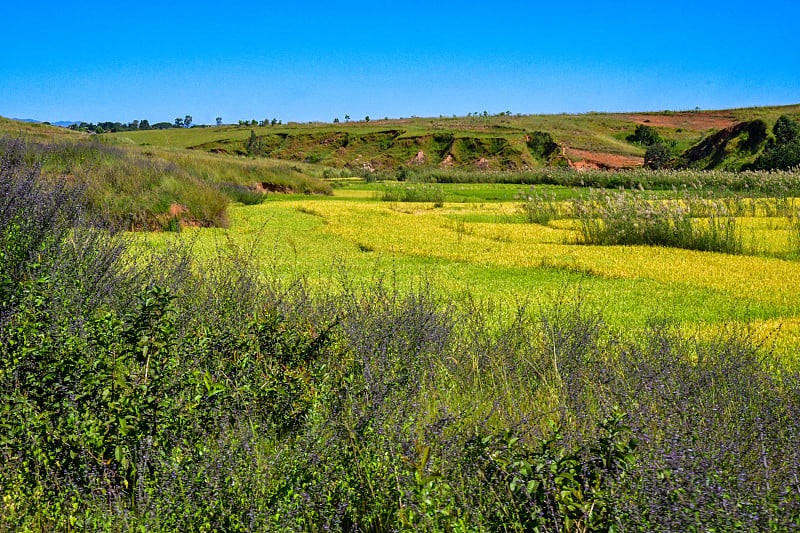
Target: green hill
{"type": "Point", "coordinates": [157, 178]}
{"type": "Point", "coordinates": [499, 142]}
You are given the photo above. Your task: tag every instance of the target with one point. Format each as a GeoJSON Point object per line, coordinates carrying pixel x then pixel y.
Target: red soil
{"type": "Point", "coordinates": [600, 160]}
{"type": "Point", "coordinates": [687, 120]}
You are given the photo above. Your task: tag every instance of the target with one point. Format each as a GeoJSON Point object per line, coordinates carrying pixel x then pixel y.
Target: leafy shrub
{"type": "Point", "coordinates": [541, 144]}
{"type": "Point", "coordinates": [141, 393]}
{"type": "Point", "coordinates": [549, 487]}
{"type": "Point", "coordinates": [657, 156]}
{"type": "Point", "coordinates": [644, 135]}
{"type": "Point", "coordinates": [786, 130]}
{"type": "Point", "coordinates": [782, 152]}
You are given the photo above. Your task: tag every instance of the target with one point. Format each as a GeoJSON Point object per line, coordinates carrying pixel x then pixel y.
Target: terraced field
{"type": "Point", "coordinates": [484, 249]}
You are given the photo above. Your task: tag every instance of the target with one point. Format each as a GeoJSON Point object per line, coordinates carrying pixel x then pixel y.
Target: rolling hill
{"type": "Point", "coordinates": [499, 142]}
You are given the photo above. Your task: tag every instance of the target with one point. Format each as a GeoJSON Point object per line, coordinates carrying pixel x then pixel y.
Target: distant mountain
{"type": "Point", "coordinates": [62, 123]}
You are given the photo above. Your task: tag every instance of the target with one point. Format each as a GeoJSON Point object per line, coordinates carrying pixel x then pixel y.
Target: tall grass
{"type": "Point", "coordinates": [786, 183]}
{"type": "Point", "coordinates": [419, 192]}
{"type": "Point", "coordinates": [626, 218]}
{"type": "Point", "coordinates": [143, 189]}
{"type": "Point", "coordinates": [227, 170]}
{"type": "Point", "coordinates": [130, 189]}
{"type": "Point", "coordinates": [540, 208]}
{"type": "Point", "coordinates": [794, 222]}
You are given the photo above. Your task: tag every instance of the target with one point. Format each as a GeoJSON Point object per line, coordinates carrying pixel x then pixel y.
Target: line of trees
{"type": "Point", "coordinates": [265, 122]}
{"type": "Point", "coordinates": [144, 124]}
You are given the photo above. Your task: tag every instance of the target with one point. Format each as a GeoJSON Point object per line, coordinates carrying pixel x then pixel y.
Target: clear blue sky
{"type": "Point", "coordinates": [121, 60]}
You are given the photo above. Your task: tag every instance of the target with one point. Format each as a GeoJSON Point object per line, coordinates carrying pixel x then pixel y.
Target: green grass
{"type": "Point", "coordinates": [33, 130]}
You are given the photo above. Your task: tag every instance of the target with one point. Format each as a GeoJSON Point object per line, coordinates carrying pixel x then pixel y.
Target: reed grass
{"type": "Point", "coordinates": [626, 218]}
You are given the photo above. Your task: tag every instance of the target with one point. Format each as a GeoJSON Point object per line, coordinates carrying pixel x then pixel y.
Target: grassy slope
{"type": "Point", "coordinates": [596, 132]}
{"type": "Point", "coordinates": [32, 130]}
{"type": "Point", "coordinates": [141, 187]}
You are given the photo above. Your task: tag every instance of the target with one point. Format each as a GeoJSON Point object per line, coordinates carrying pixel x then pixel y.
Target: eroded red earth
{"type": "Point", "coordinates": [686, 120]}
{"type": "Point", "coordinates": [601, 160]}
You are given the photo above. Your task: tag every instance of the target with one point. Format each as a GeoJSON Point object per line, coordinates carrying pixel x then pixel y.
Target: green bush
{"type": "Point", "coordinates": [786, 130]}
{"type": "Point", "coordinates": [783, 151]}
{"type": "Point", "coordinates": [644, 135]}
{"type": "Point", "coordinates": [143, 392]}
{"type": "Point", "coordinates": [541, 144]}
{"type": "Point", "coordinates": [657, 156]}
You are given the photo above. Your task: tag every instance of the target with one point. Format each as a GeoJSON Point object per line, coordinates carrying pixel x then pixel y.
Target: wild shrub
{"type": "Point", "coordinates": [783, 150]}
{"type": "Point", "coordinates": [706, 410]}
{"type": "Point", "coordinates": [547, 486]}
{"type": "Point", "coordinates": [657, 156]}
{"type": "Point", "coordinates": [541, 144]}
{"type": "Point", "coordinates": [255, 146]}
{"type": "Point", "coordinates": [644, 135]}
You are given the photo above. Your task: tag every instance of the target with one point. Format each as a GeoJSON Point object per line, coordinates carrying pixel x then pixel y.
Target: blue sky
{"type": "Point", "coordinates": [303, 61]}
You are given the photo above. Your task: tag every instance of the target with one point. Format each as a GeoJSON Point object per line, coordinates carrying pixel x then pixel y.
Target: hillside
{"type": "Point", "coordinates": [152, 188]}
{"type": "Point", "coordinates": [499, 142]}
{"type": "Point", "coordinates": [155, 179]}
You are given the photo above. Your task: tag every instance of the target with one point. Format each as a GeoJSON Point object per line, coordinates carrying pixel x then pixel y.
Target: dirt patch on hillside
{"type": "Point", "coordinates": [600, 160]}
{"type": "Point", "coordinates": [418, 159]}
{"type": "Point", "coordinates": [265, 187]}
{"type": "Point", "coordinates": [687, 121]}
{"type": "Point", "coordinates": [176, 210]}
{"type": "Point", "coordinates": [448, 161]}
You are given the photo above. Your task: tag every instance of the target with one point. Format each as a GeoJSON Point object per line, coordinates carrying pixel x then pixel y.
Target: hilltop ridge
{"type": "Point", "coordinates": [482, 142]}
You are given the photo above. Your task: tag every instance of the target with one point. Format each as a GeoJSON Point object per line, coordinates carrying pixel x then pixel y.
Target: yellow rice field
{"type": "Point", "coordinates": [421, 231]}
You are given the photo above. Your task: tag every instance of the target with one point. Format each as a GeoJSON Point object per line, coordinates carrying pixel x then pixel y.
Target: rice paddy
{"type": "Point", "coordinates": [485, 251]}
